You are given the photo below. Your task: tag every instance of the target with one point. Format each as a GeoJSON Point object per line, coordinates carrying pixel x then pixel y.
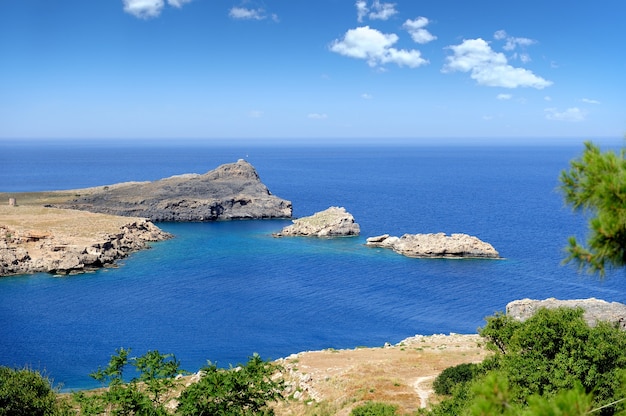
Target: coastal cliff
{"type": "Point", "coordinates": [231, 191]}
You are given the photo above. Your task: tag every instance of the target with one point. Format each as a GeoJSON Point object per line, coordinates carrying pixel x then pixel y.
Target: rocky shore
{"type": "Point", "coordinates": [62, 247]}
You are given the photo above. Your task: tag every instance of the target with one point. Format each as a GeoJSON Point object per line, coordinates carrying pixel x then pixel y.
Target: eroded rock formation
{"type": "Point", "coordinates": [332, 222]}
{"type": "Point", "coordinates": [231, 191]}
{"type": "Point", "coordinates": [435, 245]}
{"type": "Point", "coordinates": [595, 309]}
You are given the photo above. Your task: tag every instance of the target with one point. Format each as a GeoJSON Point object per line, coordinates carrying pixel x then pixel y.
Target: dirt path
{"type": "Point", "coordinates": [422, 390]}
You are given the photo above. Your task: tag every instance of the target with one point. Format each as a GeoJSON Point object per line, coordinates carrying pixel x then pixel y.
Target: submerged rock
{"type": "Point", "coordinates": [596, 310]}
{"type": "Point", "coordinates": [232, 191]}
{"type": "Point", "coordinates": [332, 222]}
{"type": "Point", "coordinates": [435, 245]}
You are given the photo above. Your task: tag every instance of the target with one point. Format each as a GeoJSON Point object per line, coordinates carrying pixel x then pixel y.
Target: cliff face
{"type": "Point", "coordinates": [232, 191]}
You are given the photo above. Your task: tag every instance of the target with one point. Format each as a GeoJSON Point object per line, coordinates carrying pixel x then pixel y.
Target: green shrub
{"type": "Point", "coordinates": [452, 376]}
{"type": "Point", "coordinates": [143, 395]}
{"type": "Point", "coordinates": [25, 392]}
{"type": "Point", "coordinates": [244, 390]}
{"type": "Point", "coordinates": [375, 409]}
{"type": "Point", "coordinates": [554, 360]}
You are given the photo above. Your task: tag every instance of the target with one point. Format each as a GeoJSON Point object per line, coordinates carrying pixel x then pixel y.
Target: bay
{"type": "Point", "coordinates": [222, 291]}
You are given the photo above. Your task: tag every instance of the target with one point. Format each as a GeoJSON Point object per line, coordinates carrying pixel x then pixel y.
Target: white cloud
{"type": "Point", "coordinates": [547, 98]}
{"type": "Point", "coordinates": [417, 31]}
{"type": "Point", "coordinates": [512, 42]}
{"type": "Point", "coordinates": [366, 96]}
{"type": "Point", "coordinates": [375, 47]}
{"type": "Point", "coordinates": [488, 67]}
{"type": "Point", "coordinates": [571, 114]}
{"type": "Point", "coordinates": [177, 3]}
{"type": "Point", "coordinates": [499, 35]}
{"type": "Point", "coordinates": [378, 10]}
{"type": "Point", "coordinates": [146, 9]}
{"type": "Point", "coordinates": [317, 116]}
{"type": "Point", "coordinates": [590, 101]}
{"type": "Point", "coordinates": [361, 10]}
{"type": "Point", "coordinates": [247, 14]}
{"type": "Point", "coordinates": [504, 96]}
{"type": "Point", "coordinates": [255, 114]}
{"type": "Point", "coordinates": [382, 11]}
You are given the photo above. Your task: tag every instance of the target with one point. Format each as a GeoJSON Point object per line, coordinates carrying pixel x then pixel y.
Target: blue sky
{"type": "Point", "coordinates": [290, 69]}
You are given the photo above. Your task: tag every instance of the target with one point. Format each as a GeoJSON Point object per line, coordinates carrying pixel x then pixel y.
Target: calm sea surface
{"type": "Point", "coordinates": [222, 291]}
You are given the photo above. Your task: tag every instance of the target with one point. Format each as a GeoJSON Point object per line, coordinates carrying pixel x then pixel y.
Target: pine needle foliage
{"type": "Point", "coordinates": [596, 184]}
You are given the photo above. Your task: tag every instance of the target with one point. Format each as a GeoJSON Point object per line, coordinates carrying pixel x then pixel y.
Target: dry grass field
{"type": "Point", "coordinates": [30, 216]}
{"type": "Point", "coordinates": [333, 382]}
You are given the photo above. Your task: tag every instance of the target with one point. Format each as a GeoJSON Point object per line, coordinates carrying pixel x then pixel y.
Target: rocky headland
{"type": "Point", "coordinates": [437, 245]}
{"type": "Point", "coordinates": [67, 232]}
{"type": "Point", "coordinates": [332, 222]}
{"type": "Point", "coordinates": [48, 240]}
{"type": "Point", "coordinates": [231, 191]}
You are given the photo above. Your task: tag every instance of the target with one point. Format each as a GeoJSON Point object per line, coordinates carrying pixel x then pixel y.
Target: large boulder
{"type": "Point", "coordinates": [596, 310]}
{"type": "Point", "coordinates": [437, 245]}
{"type": "Point", "coordinates": [332, 222]}
{"type": "Point", "coordinates": [232, 191]}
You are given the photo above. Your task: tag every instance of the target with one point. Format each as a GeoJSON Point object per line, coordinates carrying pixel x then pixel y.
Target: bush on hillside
{"type": "Point", "coordinates": [554, 359]}
{"type": "Point", "coordinates": [243, 390]}
{"type": "Point", "coordinates": [375, 409]}
{"type": "Point", "coordinates": [452, 376]}
{"type": "Point", "coordinates": [25, 392]}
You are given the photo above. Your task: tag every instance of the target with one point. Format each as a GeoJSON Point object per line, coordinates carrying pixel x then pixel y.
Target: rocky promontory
{"type": "Point", "coordinates": [437, 245]}
{"type": "Point", "coordinates": [332, 222]}
{"type": "Point", "coordinates": [71, 251]}
{"type": "Point", "coordinates": [231, 191]}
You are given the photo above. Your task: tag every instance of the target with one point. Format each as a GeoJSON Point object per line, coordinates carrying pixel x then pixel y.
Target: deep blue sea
{"type": "Point", "coordinates": [222, 291]}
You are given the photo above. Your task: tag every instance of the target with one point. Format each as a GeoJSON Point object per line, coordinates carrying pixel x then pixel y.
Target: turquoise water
{"type": "Point", "coordinates": [222, 291]}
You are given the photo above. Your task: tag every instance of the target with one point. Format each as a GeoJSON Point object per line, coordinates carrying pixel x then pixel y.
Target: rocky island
{"type": "Point", "coordinates": [231, 191]}
{"type": "Point", "coordinates": [437, 245]}
{"type": "Point", "coordinates": [332, 222]}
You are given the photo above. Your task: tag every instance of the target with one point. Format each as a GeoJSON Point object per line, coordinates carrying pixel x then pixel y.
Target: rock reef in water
{"type": "Point", "coordinates": [596, 310]}
{"type": "Point", "coordinates": [435, 246]}
{"type": "Point", "coordinates": [332, 222]}
{"type": "Point", "coordinates": [34, 252]}
{"type": "Point", "coordinates": [231, 191]}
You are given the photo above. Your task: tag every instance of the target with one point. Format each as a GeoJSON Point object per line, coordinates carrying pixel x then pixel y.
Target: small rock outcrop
{"type": "Point", "coordinates": [25, 253]}
{"type": "Point", "coordinates": [596, 310]}
{"type": "Point", "coordinates": [332, 222]}
{"type": "Point", "coordinates": [435, 246]}
{"type": "Point", "coordinates": [232, 191]}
